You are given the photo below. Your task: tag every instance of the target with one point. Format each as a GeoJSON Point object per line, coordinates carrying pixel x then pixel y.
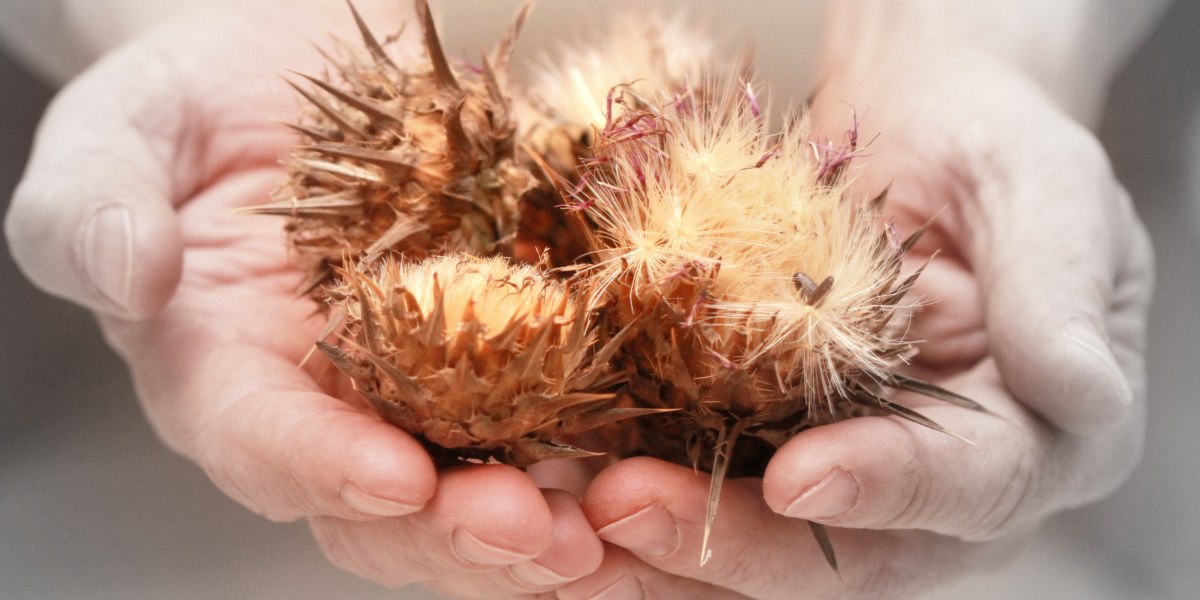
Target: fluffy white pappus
{"type": "Point", "coordinates": [793, 271]}
{"type": "Point", "coordinates": [646, 52]}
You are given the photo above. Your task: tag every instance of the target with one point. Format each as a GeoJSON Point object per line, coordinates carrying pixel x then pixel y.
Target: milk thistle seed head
{"type": "Point", "coordinates": [411, 158]}
{"type": "Point", "coordinates": [568, 98]}
{"type": "Point", "coordinates": [477, 357]}
{"type": "Point", "coordinates": [762, 297]}
{"type": "Point", "coordinates": [720, 271]}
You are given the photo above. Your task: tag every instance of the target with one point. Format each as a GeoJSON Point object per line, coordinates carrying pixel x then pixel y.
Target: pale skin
{"type": "Point", "coordinates": [1040, 294]}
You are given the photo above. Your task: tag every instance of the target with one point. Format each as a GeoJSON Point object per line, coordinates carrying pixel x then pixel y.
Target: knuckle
{"type": "Point", "coordinates": [336, 543]}
{"type": "Point", "coordinates": [231, 484]}
{"type": "Point", "coordinates": [237, 478]}
{"type": "Point", "coordinates": [28, 223]}
{"type": "Point", "coordinates": [1107, 460]}
{"type": "Point", "coordinates": [389, 558]}
{"type": "Point", "coordinates": [910, 489]}
{"type": "Point", "coordinates": [749, 571]}
{"type": "Point", "coordinates": [1011, 504]}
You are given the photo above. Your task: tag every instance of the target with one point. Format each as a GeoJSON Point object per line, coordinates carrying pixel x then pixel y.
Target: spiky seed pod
{"type": "Point", "coordinates": [774, 290]}
{"type": "Point", "coordinates": [478, 358]}
{"type": "Point", "coordinates": [567, 100]}
{"type": "Point", "coordinates": [412, 157]}
{"type": "Point", "coordinates": [764, 298]}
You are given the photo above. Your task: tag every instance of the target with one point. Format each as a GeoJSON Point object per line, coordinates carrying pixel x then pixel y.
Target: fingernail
{"type": "Point", "coordinates": [107, 253]}
{"type": "Point", "coordinates": [833, 496]}
{"type": "Point", "coordinates": [625, 588]}
{"type": "Point", "coordinates": [355, 498]}
{"type": "Point", "coordinates": [651, 531]}
{"type": "Point", "coordinates": [536, 576]}
{"type": "Point", "coordinates": [1088, 338]}
{"type": "Point", "coordinates": [475, 551]}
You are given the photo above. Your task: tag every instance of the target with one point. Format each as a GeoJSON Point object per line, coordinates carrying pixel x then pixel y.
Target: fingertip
{"type": "Point", "coordinates": [131, 257]}
{"type": "Point", "coordinates": [286, 451]}
{"type": "Point", "coordinates": [497, 515]}
{"type": "Point", "coordinates": [625, 485]}
{"type": "Point", "coordinates": [388, 474]}
{"type": "Point", "coordinates": [573, 531]}
{"type": "Point", "coordinates": [829, 474]}
{"type": "Point", "coordinates": [639, 503]}
{"type": "Point", "coordinates": [575, 552]}
{"type": "Point", "coordinates": [1065, 370]}
{"type": "Point", "coordinates": [118, 257]}
{"type": "Point", "coordinates": [798, 466]}
{"type": "Point", "coordinates": [375, 504]}
{"type": "Point", "coordinates": [365, 465]}
{"type": "Point", "coordinates": [1099, 377]}
{"type": "Point", "coordinates": [93, 219]}
{"type": "Point", "coordinates": [664, 525]}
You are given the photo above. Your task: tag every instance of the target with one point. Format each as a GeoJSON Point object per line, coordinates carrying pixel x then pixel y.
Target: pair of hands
{"type": "Point", "coordinates": [1038, 301]}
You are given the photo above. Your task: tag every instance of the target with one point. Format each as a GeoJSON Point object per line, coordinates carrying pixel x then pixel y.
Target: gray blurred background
{"type": "Point", "coordinates": [92, 507]}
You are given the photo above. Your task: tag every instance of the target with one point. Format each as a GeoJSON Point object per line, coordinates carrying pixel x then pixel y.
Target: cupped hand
{"type": "Point", "coordinates": [1035, 307]}
{"type": "Point", "coordinates": [127, 207]}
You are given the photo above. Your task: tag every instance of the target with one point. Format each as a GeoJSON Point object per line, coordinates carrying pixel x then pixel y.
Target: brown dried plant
{"type": "Point", "coordinates": [478, 358]}
{"type": "Point", "coordinates": [412, 159]}
{"type": "Point", "coordinates": [723, 274]}
{"type": "Point", "coordinates": [407, 173]}
{"type": "Point", "coordinates": [761, 296]}
{"type": "Point", "coordinates": [562, 106]}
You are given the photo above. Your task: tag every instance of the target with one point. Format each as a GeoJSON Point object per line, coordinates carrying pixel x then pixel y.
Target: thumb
{"type": "Point", "coordinates": [1066, 262]}
{"type": "Point", "coordinates": [92, 220]}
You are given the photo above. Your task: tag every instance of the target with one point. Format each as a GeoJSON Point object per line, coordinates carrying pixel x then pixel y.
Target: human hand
{"type": "Point", "coordinates": [127, 208]}
{"type": "Point", "coordinates": [1036, 309]}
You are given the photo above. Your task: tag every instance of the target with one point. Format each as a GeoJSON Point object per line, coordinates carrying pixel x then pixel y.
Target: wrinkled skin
{"type": "Point", "coordinates": [1037, 305]}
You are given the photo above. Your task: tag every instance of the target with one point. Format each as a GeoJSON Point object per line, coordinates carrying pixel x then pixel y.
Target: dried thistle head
{"type": "Point", "coordinates": [567, 100]}
{"type": "Point", "coordinates": [764, 271]}
{"type": "Point", "coordinates": [732, 280]}
{"type": "Point", "coordinates": [764, 298]}
{"type": "Point", "coordinates": [568, 93]}
{"type": "Point", "coordinates": [479, 358]}
{"type": "Point", "coordinates": [411, 158]}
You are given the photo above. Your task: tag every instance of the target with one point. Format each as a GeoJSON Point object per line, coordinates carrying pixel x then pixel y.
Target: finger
{"type": "Point", "coordinates": [481, 520]}
{"type": "Point", "coordinates": [137, 134]}
{"type": "Point", "coordinates": [1059, 230]}
{"type": "Point", "coordinates": [284, 449]}
{"type": "Point", "coordinates": [887, 473]}
{"type": "Point", "coordinates": [1130, 302]}
{"type": "Point", "coordinates": [657, 510]}
{"type": "Point", "coordinates": [574, 552]}
{"type": "Point", "coordinates": [91, 220]}
{"type": "Point", "coordinates": [622, 576]}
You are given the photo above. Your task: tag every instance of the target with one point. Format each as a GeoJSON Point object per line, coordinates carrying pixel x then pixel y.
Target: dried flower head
{"type": "Point", "coordinates": [725, 275]}
{"type": "Point", "coordinates": [567, 95]}
{"type": "Point", "coordinates": [764, 298]}
{"type": "Point", "coordinates": [567, 100]}
{"type": "Point", "coordinates": [412, 158]}
{"type": "Point", "coordinates": [479, 358]}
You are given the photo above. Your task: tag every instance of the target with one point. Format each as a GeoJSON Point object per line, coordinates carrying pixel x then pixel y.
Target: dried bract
{"type": "Point", "coordinates": [568, 99]}
{"type": "Point", "coordinates": [479, 358]}
{"type": "Point", "coordinates": [412, 158]}
{"type": "Point", "coordinates": [763, 298]}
